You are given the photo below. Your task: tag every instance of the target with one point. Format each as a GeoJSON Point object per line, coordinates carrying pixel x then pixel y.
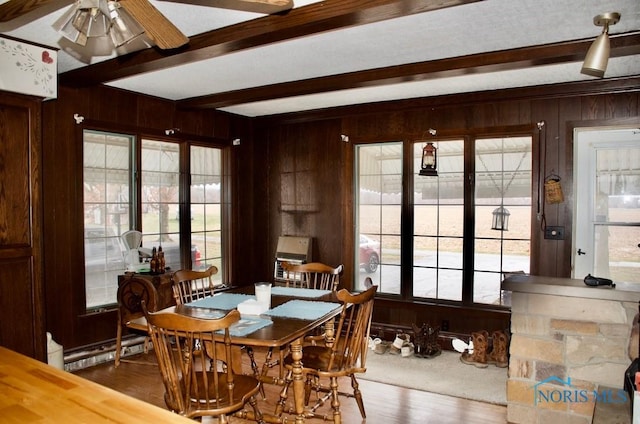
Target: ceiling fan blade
{"type": "Point", "coordinates": [156, 25]}
{"type": "Point", "coordinates": [16, 8]}
{"type": "Point", "coordinates": [258, 6]}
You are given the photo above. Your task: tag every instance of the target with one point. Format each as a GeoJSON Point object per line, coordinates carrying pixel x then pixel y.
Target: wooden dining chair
{"type": "Point", "coordinates": [314, 275]}
{"type": "Point", "coordinates": [192, 387]}
{"type": "Point", "coordinates": [189, 285]}
{"type": "Point", "coordinates": [343, 355]}
{"type": "Point", "coordinates": [132, 291]}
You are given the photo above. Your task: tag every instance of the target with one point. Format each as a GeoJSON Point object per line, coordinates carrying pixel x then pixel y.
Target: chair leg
{"type": "Point", "coordinates": [118, 344]}
{"type": "Point", "coordinates": [254, 368]}
{"type": "Point", "coordinates": [283, 394]}
{"type": "Point", "coordinates": [358, 395]}
{"type": "Point", "coordinates": [307, 389]}
{"type": "Point", "coordinates": [258, 414]}
{"type": "Point", "coordinates": [335, 400]}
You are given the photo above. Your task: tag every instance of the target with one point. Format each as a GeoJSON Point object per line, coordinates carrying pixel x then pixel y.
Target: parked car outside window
{"type": "Point", "coordinates": [369, 254]}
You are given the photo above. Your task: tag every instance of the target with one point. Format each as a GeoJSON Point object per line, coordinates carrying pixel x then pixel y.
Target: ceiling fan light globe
{"type": "Point", "coordinates": [92, 22]}
{"type": "Point", "coordinates": [595, 62]}
{"type": "Point", "coordinates": [70, 31]}
{"type": "Point", "coordinates": [123, 27]}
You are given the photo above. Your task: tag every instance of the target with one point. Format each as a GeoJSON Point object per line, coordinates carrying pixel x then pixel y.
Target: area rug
{"type": "Point", "coordinates": [444, 374]}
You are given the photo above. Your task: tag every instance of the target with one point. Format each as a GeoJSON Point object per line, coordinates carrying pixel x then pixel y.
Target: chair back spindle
{"type": "Point", "coordinates": [189, 285]}
{"type": "Point", "coordinates": [314, 275]}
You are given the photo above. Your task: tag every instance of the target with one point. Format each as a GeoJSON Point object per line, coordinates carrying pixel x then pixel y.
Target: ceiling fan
{"type": "Point", "coordinates": [156, 26]}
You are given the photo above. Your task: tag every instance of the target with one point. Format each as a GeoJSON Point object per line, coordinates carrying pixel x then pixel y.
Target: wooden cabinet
{"type": "Point", "coordinates": [22, 313]}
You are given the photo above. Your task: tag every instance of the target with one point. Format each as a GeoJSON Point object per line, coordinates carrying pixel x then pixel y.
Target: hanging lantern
{"type": "Point", "coordinates": [500, 219]}
{"type": "Point", "coordinates": [429, 160]}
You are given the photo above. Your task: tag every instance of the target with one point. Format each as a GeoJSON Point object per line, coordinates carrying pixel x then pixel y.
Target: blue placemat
{"type": "Point", "coordinates": [302, 309]}
{"type": "Point", "coordinates": [247, 326]}
{"type": "Point", "coordinates": [238, 329]}
{"type": "Point", "coordinates": [299, 292]}
{"type": "Point", "coordinates": [225, 301]}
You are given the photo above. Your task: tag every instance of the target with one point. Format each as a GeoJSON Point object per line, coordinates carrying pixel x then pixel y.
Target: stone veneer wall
{"type": "Point", "coordinates": [565, 337]}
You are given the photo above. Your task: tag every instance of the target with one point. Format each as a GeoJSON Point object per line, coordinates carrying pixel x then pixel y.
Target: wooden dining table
{"type": "Point", "coordinates": [34, 392]}
{"type": "Point", "coordinates": [282, 332]}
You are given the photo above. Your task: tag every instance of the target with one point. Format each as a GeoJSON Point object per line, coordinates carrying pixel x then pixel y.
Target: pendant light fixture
{"type": "Point", "coordinates": [595, 62]}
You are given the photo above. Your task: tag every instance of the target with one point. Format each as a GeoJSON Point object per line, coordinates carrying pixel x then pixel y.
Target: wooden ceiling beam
{"type": "Point", "coordinates": [527, 57]}
{"type": "Point", "coordinates": [15, 8]}
{"type": "Point", "coordinates": [328, 15]}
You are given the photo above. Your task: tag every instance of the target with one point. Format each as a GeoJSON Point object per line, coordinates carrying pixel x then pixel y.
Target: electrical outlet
{"type": "Point", "coordinates": [554, 233]}
{"type": "Point", "coordinates": [444, 325]}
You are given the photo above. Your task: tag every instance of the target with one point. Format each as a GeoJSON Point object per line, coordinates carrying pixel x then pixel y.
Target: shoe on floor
{"type": "Point", "coordinates": [478, 357]}
{"type": "Point", "coordinates": [382, 347]}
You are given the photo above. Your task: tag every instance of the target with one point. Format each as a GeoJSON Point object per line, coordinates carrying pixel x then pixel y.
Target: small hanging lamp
{"type": "Point", "coordinates": [429, 160]}
{"type": "Point", "coordinates": [595, 62]}
{"type": "Point", "coordinates": [500, 219]}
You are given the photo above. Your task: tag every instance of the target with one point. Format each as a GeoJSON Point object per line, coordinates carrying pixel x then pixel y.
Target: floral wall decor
{"type": "Point", "coordinates": [28, 69]}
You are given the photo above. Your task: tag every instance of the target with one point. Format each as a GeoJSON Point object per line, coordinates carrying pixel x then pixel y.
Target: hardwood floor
{"type": "Point", "coordinates": [384, 403]}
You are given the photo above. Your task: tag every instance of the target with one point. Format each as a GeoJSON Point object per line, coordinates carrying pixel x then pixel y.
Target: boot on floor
{"type": "Point", "coordinates": [498, 355]}
{"type": "Point", "coordinates": [478, 357]}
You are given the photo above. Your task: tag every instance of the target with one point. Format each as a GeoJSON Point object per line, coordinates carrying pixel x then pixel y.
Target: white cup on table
{"type": "Point", "coordinates": [263, 293]}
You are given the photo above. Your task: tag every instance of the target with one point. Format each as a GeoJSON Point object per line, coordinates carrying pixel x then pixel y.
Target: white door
{"type": "Point", "coordinates": [606, 240]}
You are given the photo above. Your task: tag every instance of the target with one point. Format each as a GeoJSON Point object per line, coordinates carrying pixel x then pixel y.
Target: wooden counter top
{"type": "Point", "coordinates": [35, 392]}
{"type": "Point", "coordinates": [523, 283]}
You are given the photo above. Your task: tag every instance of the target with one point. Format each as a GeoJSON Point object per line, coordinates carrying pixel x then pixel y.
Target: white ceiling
{"type": "Point", "coordinates": [485, 26]}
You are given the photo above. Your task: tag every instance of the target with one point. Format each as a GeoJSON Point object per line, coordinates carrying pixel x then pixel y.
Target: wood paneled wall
{"type": "Point", "coordinates": [559, 108]}
{"type": "Point", "coordinates": [112, 110]}
{"type": "Point", "coordinates": [293, 175]}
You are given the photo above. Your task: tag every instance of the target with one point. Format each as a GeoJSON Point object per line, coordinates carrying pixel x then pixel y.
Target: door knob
{"type": "Point", "coordinates": [581, 252]}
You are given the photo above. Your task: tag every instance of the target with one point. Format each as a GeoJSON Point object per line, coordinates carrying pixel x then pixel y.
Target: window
{"type": "Point", "coordinates": [159, 198]}
{"type": "Point", "coordinates": [115, 202]}
{"type": "Point", "coordinates": [503, 188]}
{"type": "Point", "coordinates": [438, 224]}
{"type": "Point", "coordinates": [607, 220]}
{"type": "Point", "coordinates": [107, 187]}
{"type": "Point", "coordinates": [379, 188]}
{"type": "Point", "coordinates": [449, 244]}
{"type": "Point", "coordinates": [206, 208]}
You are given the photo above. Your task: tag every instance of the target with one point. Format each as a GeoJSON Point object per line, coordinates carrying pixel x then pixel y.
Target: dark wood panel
{"type": "Point", "coordinates": [15, 201]}
{"type": "Point", "coordinates": [152, 112]}
{"type": "Point", "coordinates": [16, 307]}
{"type": "Point", "coordinates": [21, 293]}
